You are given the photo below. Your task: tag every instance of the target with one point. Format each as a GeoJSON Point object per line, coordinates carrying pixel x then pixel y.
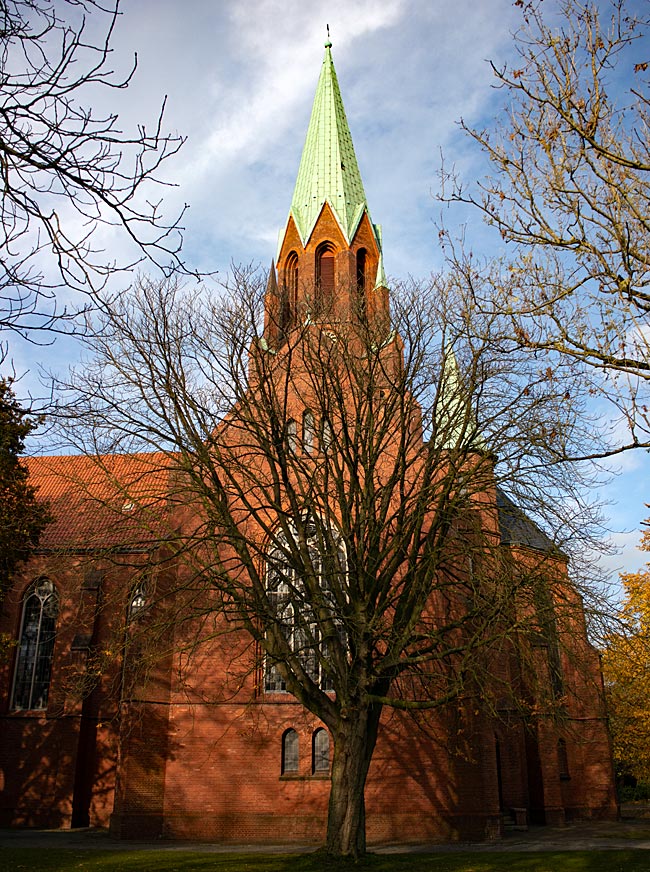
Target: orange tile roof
{"type": "Point", "coordinates": [105, 501]}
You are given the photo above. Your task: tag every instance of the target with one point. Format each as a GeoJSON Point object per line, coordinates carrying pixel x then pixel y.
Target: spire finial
{"type": "Point", "coordinates": [328, 44]}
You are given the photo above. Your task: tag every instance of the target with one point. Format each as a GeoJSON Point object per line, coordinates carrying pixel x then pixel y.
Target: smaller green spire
{"type": "Point", "coordinates": [328, 168]}
{"type": "Point", "coordinates": [455, 419]}
{"type": "Point", "coordinates": [380, 280]}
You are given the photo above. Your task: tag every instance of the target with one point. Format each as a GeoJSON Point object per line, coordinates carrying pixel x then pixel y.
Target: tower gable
{"type": "Point", "coordinates": [304, 287]}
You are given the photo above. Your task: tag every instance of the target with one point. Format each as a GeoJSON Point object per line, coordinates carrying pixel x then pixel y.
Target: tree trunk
{"type": "Point", "coordinates": [354, 743]}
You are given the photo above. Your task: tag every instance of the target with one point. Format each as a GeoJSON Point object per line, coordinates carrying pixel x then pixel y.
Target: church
{"type": "Point", "coordinates": [228, 734]}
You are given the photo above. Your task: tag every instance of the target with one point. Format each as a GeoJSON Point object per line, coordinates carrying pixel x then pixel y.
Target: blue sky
{"type": "Point", "coordinates": [240, 77]}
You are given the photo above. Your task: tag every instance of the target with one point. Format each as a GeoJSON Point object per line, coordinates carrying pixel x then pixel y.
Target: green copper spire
{"type": "Point", "coordinates": [328, 167]}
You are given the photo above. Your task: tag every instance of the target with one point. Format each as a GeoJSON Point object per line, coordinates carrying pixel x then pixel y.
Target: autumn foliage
{"type": "Point", "coordinates": [627, 676]}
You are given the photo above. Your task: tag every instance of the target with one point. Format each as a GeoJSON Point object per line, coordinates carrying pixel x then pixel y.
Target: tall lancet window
{"type": "Point", "coordinates": [36, 646]}
{"type": "Point", "coordinates": [308, 432]}
{"type": "Point", "coordinates": [324, 278]}
{"type": "Point", "coordinates": [361, 281]}
{"type": "Point", "coordinates": [290, 296]}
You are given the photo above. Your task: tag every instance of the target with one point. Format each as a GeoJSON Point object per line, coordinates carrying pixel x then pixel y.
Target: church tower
{"type": "Point", "coordinates": [329, 261]}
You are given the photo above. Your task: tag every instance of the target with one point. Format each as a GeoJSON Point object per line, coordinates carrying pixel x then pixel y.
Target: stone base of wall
{"type": "Point", "coordinates": [273, 829]}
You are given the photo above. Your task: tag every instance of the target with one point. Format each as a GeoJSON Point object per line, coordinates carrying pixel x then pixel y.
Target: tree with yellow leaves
{"type": "Point", "coordinates": [626, 666]}
{"type": "Point", "coordinates": [569, 188]}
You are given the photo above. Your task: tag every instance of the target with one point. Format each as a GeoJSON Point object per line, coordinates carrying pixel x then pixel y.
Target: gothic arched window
{"type": "Point", "coordinates": [36, 646]}
{"type": "Point", "coordinates": [324, 278]}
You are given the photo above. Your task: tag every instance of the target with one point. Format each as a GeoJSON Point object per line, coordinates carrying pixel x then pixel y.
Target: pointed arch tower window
{"type": "Point", "coordinates": [361, 270]}
{"type": "Point", "coordinates": [290, 296]}
{"type": "Point", "coordinates": [324, 278]}
{"type": "Point", "coordinates": [361, 281]}
{"type": "Point", "coordinates": [36, 646]}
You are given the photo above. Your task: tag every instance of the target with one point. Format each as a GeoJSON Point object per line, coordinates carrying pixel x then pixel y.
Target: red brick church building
{"type": "Point", "coordinates": [227, 754]}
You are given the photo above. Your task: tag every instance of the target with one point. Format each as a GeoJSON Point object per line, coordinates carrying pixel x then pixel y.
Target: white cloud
{"type": "Point", "coordinates": [626, 557]}
{"type": "Point", "coordinates": [240, 79]}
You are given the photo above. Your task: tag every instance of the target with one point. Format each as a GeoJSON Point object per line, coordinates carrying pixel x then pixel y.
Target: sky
{"type": "Point", "coordinates": [240, 76]}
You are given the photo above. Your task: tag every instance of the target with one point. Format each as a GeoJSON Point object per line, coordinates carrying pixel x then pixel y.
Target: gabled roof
{"type": "Point", "coordinates": [112, 501]}
{"type": "Point", "coordinates": [328, 168]}
{"type": "Point", "coordinates": [518, 529]}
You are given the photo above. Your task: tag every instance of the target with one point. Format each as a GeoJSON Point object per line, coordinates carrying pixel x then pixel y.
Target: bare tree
{"type": "Point", "coordinates": [334, 496]}
{"type": "Point", "coordinates": [67, 170]}
{"type": "Point", "coordinates": [571, 189]}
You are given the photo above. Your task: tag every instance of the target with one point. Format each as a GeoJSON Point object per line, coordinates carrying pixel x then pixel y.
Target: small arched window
{"type": "Point", "coordinates": [36, 646]}
{"type": "Point", "coordinates": [290, 296]}
{"type": "Point", "coordinates": [290, 755]}
{"type": "Point", "coordinates": [320, 752]}
{"type": "Point", "coordinates": [324, 277]}
{"type": "Point", "coordinates": [308, 431]}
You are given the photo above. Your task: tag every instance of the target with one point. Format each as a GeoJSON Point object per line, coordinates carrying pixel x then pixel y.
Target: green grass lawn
{"type": "Point", "coordinates": [73, 860]}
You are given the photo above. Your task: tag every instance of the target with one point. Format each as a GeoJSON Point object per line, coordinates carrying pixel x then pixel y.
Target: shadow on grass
{"type": "Point", "coordinates": [70, 860]}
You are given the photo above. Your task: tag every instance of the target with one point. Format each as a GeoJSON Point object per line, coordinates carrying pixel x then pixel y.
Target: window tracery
{"type": "Point", "coordinates": [295, 610]}
{"type": "Point", "coordinates": [36, 646]}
